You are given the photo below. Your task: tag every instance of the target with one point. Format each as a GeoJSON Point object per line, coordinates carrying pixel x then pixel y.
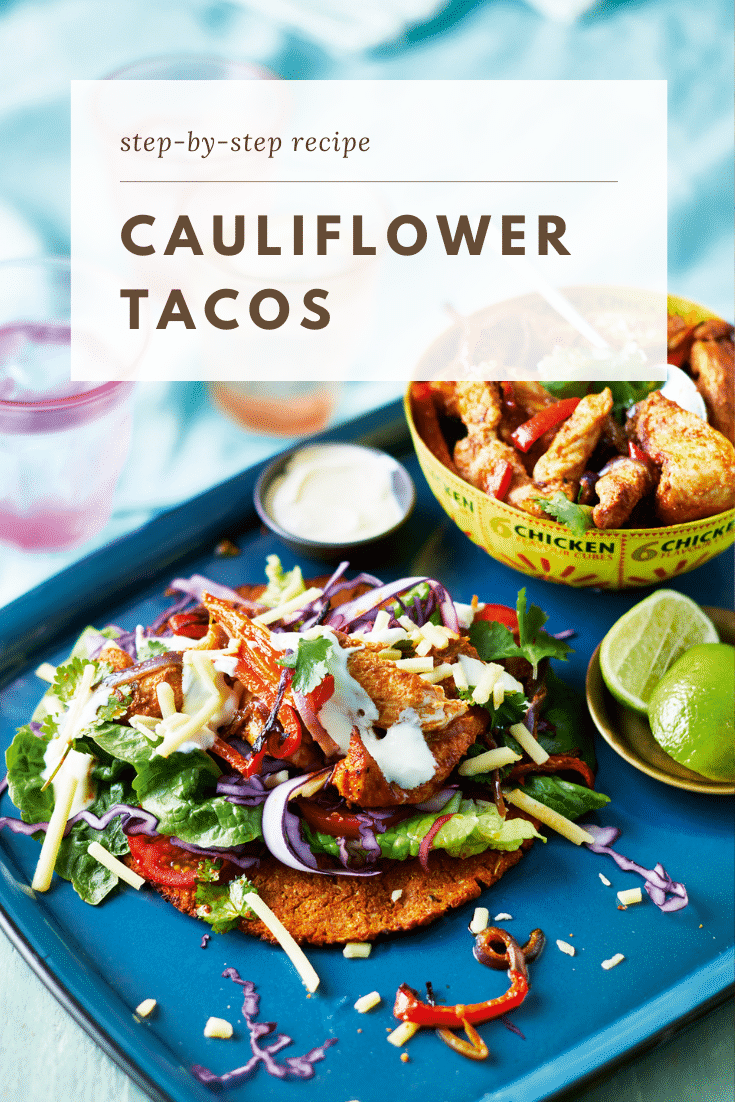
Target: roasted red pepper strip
{"type": "Point", "coordinates": [231, 756]}
{"type": "Point", "coordinates": [509, 394]}
{"type": "Point", "coordinates": [409, 1007]}
{"type": "Point", "coordinates": [319, 696]}
{"type": "Point", "coordinates": [530, 431]}
{"type": "Point", "coordinates": [498, 484]}
{"type": "Point", "coordinates": [193, 625]}
{"type": "Point", "coordinates": [557, 763]}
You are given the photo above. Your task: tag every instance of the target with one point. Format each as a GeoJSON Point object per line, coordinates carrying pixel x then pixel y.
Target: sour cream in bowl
{"type": "Point", "coordinates": [325, 499]}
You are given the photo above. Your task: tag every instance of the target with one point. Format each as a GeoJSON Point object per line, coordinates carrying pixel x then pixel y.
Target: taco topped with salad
{"type": "Point", "coordinates": [361, 756]}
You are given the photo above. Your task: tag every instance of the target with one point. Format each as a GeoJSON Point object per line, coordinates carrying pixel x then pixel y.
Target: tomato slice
{"type": "Point", "coordinates": [159, 861]}
{"type": "Point", "coordinates": [340, 824]}
{"type": "Point", "coordinates": [502, 614]}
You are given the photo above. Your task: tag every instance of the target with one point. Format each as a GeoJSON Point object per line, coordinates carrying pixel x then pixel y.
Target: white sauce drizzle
{"type": "Point", "coordinates": [402, 755]}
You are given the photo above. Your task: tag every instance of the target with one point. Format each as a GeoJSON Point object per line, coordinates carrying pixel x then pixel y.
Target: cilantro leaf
{"type": "Point", "coordinates": [114, 708]}
{"type": "Point", "coordinates": [69, 675]}
{"type": "Point", "coordinates": [223, 905]}
{"type": "Point", "coordinates": [149, 648]}
{"type": "Point", "coordinates": [309, 662]}
{"type": "Point", "coordinates": [535, 642]}
{"type": "Point", "coordinates": [576, 517]}
{"type": "Point", "coordinates": [512, 710]}
{"type": "Point", "coordinates": [209, 870]}
{"type": "Point", "coordinates": [492, 641]}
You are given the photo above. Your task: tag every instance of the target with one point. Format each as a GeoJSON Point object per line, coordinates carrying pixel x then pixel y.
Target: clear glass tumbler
{"type": "Point", "coordinates": [62, 443]}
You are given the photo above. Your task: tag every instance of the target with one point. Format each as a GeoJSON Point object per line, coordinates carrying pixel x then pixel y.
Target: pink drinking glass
{"type": "Point", "coordinates": [62, 443]}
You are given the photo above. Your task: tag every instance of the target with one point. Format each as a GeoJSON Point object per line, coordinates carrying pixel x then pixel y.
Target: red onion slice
{"type": "Point", "coordinates": [361, 606]}
{"type": "Point", "coordinates": [281, 832]}
{"type": "Point", "coordinates": [429, 837]}
{"type": "Point", "coordinates": [439, 800]}
{"type": "Point", "coordinates": [197, 585]}
{"type": "Point", "coordinates": [321, 736]}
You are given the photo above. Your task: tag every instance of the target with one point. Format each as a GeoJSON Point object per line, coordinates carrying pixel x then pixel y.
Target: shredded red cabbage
{"type": "Point", "coordinates": [293, 1067]}
{"type": "Point", "coordinates": [352, 612]}
{"type": "Point", "coordinates": [244, 791]}
{"type": "Point", "coordinates": [511, 1026]}
{"type": "Point", "coordinates": [134, 821]}
{"type": "Point", "coordinates": [667, 894]}
{"type": "Point", "coordinates": [234, 854]}
{"type": "Point", "coordinates": [205, 941]}
{"type": "Point", "coordinates": [3, 784]}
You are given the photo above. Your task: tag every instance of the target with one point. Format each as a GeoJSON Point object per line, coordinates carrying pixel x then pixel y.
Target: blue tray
{"type": "Point", "coordinates": [579, 1020]}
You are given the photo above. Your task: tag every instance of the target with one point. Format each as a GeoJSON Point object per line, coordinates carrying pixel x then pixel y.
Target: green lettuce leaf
{"type": "Point", "coordinates": [24, 760]}
{"type": "Point", "coordinates": [282, 584]}
{"type": "Point", "coordinates": [572, 800]}
{"type": "Point", "coordinates": [567, 710]}
{"type": "Point", "coordinates": [223, 905]}
{"type": "Point", "coordinates": [180, 791]}
{"type": "Point", "coordinates": [91, 880]}
{"type": "Point", "coordinates": [475, 826]}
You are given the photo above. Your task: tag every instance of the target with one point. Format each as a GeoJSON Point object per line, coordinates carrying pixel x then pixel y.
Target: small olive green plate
{"type": "Point", "coordinates": [630, 736]}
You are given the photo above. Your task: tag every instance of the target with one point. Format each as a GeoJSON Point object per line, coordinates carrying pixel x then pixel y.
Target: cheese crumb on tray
{"type": "Point", "coordinates": [218, 1027]}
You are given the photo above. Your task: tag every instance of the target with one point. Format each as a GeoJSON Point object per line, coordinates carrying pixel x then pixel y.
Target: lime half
{"type": "Point", "coordinates": [645, 642]}
{"type": "Point", "coordinates": [691, 711]}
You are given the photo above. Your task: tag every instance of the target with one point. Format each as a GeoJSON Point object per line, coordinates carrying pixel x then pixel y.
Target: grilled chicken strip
{"type": "Point", "coordinates": [697, 463]}
{"type": "Point", "coordinates": [562, 466]}
{"type": "Point", "coordinates": [392, 690]}
{"type": "Point", "coordinates": [713, 370]}
{"type": "Point", "coordinates": [479, 457]}
{"type": "Point", "coordinates": [620, 487]}
{"type": "Point", "coordinates": [359, 779]}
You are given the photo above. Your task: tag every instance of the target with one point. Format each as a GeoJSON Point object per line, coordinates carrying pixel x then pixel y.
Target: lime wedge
{"type": "Point", "coordinates": [639, 649]}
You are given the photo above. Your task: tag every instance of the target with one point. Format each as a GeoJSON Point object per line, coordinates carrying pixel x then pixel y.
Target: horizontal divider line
{"type": "Point", "coordinates": [368, 181]}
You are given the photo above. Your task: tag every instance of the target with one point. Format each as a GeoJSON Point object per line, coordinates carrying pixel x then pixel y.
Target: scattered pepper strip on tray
{"type": "Point", "coordinates": [526, 435]}
{"type": "Point", "coordinates": [409, 1007]}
